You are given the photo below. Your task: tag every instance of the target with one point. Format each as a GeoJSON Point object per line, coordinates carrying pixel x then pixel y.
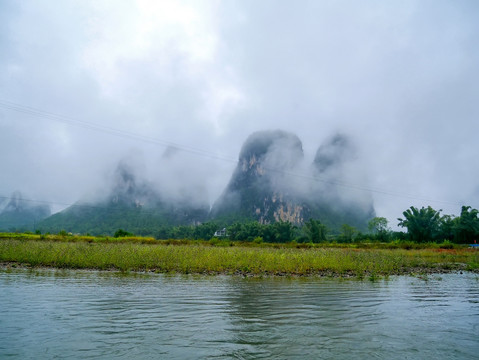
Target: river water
{"type": "Point", "coordinates": [54, 314]}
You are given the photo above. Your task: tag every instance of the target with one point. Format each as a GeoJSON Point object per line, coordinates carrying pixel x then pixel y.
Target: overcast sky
{"type": "Point", "coordinates": [84, 84]}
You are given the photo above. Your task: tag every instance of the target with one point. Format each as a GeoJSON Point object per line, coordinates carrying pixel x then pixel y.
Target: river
{"type": "Point", "coordinates": [55, 314]}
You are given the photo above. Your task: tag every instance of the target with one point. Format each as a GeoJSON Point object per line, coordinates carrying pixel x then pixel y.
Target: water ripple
{"type": "Point", "coordinates": [68, 314]}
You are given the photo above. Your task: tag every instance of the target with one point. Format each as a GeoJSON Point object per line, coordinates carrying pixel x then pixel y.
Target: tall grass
{"type": "Point", "coordinates": [206, 259]}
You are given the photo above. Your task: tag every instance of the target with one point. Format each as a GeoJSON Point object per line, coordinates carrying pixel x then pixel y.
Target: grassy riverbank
{"type": "Point", "coordinates": [144, 254]}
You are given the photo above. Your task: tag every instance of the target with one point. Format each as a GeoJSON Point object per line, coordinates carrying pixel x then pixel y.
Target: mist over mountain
{"type": "Point", "coordinates": [19, 214]}
{"type": "Point", "coordinates": [334, 153]}
{"type": "Point", "coordinates": [399, 77]}
{"type": "Point", "coordinates": [333, 197]}
{"type": "Point", "coordinates": [272, 183]}
{"type": "Point", "coordinates": [133, 203]}
{"type": "Point", "coordinates": [258, 188]}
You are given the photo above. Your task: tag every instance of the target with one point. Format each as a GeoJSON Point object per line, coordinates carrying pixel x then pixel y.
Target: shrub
{"type": "Point", "coordinates": [122, 233]}
{"type": "Point", "coordinates": [446, 244]}
{"type": "Point", "coordinates": [258, 240]}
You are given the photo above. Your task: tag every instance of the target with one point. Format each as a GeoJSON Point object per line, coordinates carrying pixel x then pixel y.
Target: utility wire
{"type": "Point", "coordinates": [144, 210]}
{"type": "Point", "coordinates": [147, 211]}
{"type": "Point", "coordinates": [106, 129]}
{"type": "Point", "coordinates": [362, 188]}
{"type": "Point", "coordinates": [9, 105]}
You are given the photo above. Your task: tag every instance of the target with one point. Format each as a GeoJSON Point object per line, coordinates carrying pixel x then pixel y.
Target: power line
{"type": "Point", "coordinates": [144, 210]}
{"type": "Point", "coordinates": [364, 188]}
{"type": "Point", "coordinates": [9, 105]}
{"type": "Point", "coordinates": [52, 202]}
{"type": "Point", "coordinates": [109, 130]}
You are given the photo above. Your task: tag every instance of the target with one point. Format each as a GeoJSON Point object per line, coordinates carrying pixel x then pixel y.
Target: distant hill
{"type": "Point", "coordinates": [258, 189]}
{"type": "Point", "coordinates": [271, 183]}
{"type": "Point", "coordinates": [132, 204]}
{"type": "Point", "coordinates": [332, 198]}
{"type": "Point", "coordinates": [18, 214]}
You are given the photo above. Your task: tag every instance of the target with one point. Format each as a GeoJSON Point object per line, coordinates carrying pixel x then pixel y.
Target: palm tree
{"type": "Point", "coordinates": [422, 224]}
{"type": "Point", "coordinates": [467, 226]}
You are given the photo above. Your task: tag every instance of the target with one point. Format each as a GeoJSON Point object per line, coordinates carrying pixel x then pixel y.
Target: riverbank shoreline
{"type": "Point", "coordinates": [244, 261]}
{"type": "Point", "coordinates": [414, 272]}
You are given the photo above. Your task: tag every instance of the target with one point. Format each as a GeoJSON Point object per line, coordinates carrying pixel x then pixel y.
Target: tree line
{"type": "Point", "coordinates": [427, 224]}
{"type": "Point", "coordinates": [421, 225]}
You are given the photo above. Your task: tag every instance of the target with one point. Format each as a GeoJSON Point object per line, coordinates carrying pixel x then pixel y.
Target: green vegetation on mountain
{"type": "Point", "coordinates": [264, 201]}
{"type": "Point", "coordinates": [132, 204]}
{"type": "Point", "coordinates": [252, 248]}
{"type": "Point", "coordinates": [462, 229]}
{"type": "Point", "coordinates": [265, 186]}
{"type": "Point", "coordinates": [105, 219]}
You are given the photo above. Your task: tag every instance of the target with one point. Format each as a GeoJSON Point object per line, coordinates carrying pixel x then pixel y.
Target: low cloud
{"type": "Point", "coordinates": [401, 77]}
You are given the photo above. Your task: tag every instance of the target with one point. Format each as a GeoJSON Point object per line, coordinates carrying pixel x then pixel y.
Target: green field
{"type": "Point", "coordinates": [222, 257]}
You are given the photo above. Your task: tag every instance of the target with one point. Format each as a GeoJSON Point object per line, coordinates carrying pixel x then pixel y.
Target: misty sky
{"type": "Point", "coordinates": [85, 84]}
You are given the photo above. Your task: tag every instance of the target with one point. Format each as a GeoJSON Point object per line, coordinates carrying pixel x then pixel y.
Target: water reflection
{"type": "Point", "coordinates": [68, 314]}
{"type": "Point", "coordinates": [285, 318]}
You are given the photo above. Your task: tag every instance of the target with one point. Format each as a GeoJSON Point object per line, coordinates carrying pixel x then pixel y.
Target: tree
{"type": "Point", "coordinates": [378, 226]}
{"type": "Point", "coordinates": [283, 231]}
{"type": "Point", "coordinates": [315, 231]}
{"type": "Point", "coordinates": [245, 231]}
{"type": "Point", "coordinates": [467, 225]}
{"type": "Point", "coordinates": [422, 224]}
{"type": "Point", "coordinates": [268, 233]}
{"type": "Point", "coordinates": [252, 230]}
{"type": "Point", "coordinates": [122, 233]}
{"type": "Point", "coordinates": [347, 233]}
{"type": "Point", "coordinates": [448, 227]}
{"type": "Point", "coordinates": [235, 231]}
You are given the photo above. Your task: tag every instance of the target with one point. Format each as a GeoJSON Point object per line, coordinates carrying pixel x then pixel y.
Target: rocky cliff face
{"type": "Point", "coordinates": [256, 189]}
{"type": "Point", "coordinates": [271, 183]}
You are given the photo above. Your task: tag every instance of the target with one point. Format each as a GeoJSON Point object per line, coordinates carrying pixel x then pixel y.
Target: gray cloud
{"type": "Point", "coordinates": [400, 78]}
